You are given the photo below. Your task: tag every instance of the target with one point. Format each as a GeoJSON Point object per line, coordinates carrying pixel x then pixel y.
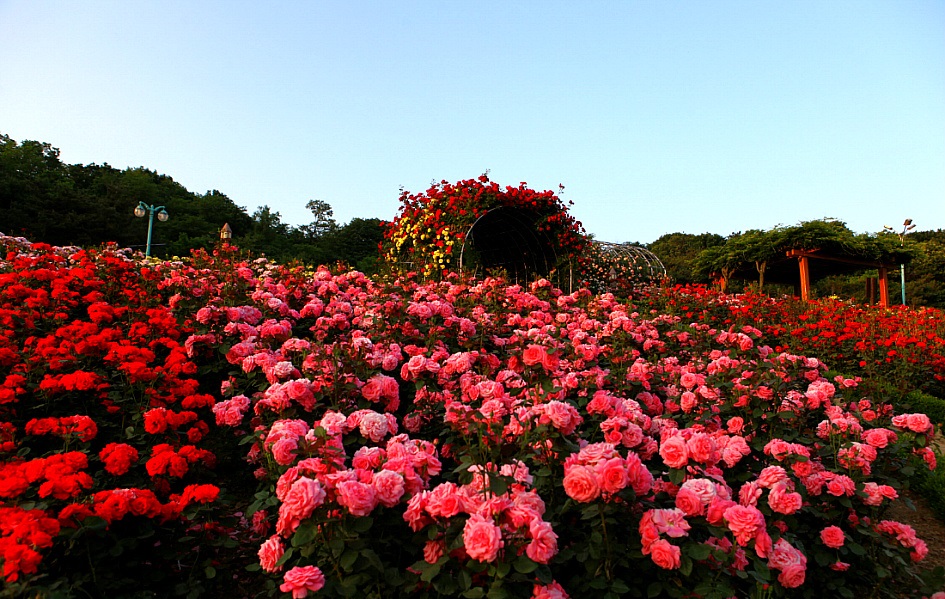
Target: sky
{"type": "Point", "coordinates": [656, 117]}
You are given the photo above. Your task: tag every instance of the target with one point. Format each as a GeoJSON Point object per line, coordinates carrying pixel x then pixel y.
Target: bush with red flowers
{"type": "Point", "coordinates": [107, 457]}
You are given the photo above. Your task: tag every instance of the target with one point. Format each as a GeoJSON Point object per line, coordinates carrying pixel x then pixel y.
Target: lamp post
{"type": "Point", "coordinates": [162, 215]}
{"type": "Point", "coordinates": [226, 233]}
{"type": "Point", "coordinates": [906, 227]}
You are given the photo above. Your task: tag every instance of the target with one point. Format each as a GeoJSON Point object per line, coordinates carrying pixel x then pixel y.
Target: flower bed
{"type": "Point", "coordinates": [900, 348]}
{"type": "Point", "coordinates": [460, 438]}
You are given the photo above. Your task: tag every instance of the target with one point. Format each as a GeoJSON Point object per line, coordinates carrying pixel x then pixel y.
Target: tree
{"type": "Point", "coordinates": [678, 251]}
{"type": "Point", "coordinates": [323, 221]}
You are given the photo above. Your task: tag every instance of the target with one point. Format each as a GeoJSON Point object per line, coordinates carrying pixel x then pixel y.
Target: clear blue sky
{"type": "Point", "coordinates": [657, 117]}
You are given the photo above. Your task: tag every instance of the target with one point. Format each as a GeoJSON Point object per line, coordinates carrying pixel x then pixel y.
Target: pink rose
{"type": "Point", "coordinates": [303, 497]}
{"type": "Point", "coordinates": [832, 537]}
{"type": "Point", "coordinates": [374, 426]}
{"type": "Point", "coordinates": [555, 591]}
{"type": "Point", "coordinates": [284, 450]}
{"type": "Point", "coordinates": [358, 497]}
{"type": "Point", "coordinates": [689, 502]}
{"type": "Point", "coordinates": [269, 554]}
{"type": "Point", "coordinates": [792, 576]}
{"type": "Point", "coordinates": [388, 487]}
{"type": "Point", "coordinates": [580, 484]}
{"type": "Point", "coordinates": [371, 390]}
{"type": "Point", "coordinates": [674, 452]}
{"type": "Point", "coordinates": [665, 555]}
{"type": "Point", "coordinates": [532, 355]}
{"type": "Point", "coordinates": [701, 447]}
{"type": "Point", "coordinates": [612, 475]}
{"type": "Point", "coordinates": [433, 551]}
{"type": "Point", "coordinates": [444, 501]}
{"type": "Point", "coordinates": [482, 538]}
{"type": "Point", "coordinates": [783, 501]}
{"type": "Point", "coordinates": [300, 580]}
{"type": "Point", "coordinates": [879, 437]}
{"type": "Point", "coordinates": [744, 522]}
{"type": "Point", "coordinates": [544, 543]}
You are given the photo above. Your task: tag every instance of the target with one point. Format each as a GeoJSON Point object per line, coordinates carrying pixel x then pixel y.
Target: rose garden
{"type": "Point", "coordinates": [221, 425]}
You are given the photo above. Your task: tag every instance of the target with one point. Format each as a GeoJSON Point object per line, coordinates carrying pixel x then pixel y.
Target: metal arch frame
{"type": "Point", "coordinates": [633, 252]}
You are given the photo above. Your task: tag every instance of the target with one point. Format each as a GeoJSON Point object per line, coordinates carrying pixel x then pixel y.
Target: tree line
{"type": "Point", "coordinates": [45, 199]}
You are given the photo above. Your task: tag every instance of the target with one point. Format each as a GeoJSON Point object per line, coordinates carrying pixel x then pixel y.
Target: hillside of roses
{"type": "Point", "coordinates": [223, 425]}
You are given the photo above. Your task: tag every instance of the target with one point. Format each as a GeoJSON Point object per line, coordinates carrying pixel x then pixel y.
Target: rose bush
{"type": "Point", "coordinates": [344, 436]}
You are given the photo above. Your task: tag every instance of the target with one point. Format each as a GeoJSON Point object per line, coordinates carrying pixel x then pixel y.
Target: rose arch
{"type": "Point", "coordinates": [477, 227]}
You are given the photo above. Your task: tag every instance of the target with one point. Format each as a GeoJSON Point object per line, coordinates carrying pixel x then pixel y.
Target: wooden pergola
{"type": "Point", "coordinates": [805, 256]}
{"type": "Point", "coordinates": [782, 271]}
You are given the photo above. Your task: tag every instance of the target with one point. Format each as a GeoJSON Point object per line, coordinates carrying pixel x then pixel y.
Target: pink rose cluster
{"type": "Point", "coordinates": [599, 470]}
{"type": "Point", "coordinates": [494, 521]}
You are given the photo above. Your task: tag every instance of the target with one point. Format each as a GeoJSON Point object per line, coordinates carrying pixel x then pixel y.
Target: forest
{"type": "Point", "coordinates": [47, 200]}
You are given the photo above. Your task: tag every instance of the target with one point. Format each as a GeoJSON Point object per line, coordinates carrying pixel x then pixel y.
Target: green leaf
{"type": "Point", "coordinates": [430, 572]}
{"type": "Point", "coordinates": [654, 589]}
{"type": "Point", "coordinates": [363, 524]}
{"type": "Point", "coordinates": [698, 552]}
{"type": "Point", "coordinates": [304, 534]}
{"type": "Point", "coordinates": [497, 592]}
{"type": "Point", "coordinates": [210, 572]}
{"type": "Point", "coordinates": [465, 580]}
{"type": "Point", "coordinates": [677, 475]}
{"type": "Point", "coordinates": [476, 593]}
{"type": "Point", "coordinates": [685, 566]}
{"type": "Point", "coordinates": [524, 565]}
{"type": "Point", "coordinates": [619, 587]}
{"type": "Point", "coordinates": [348, 559]}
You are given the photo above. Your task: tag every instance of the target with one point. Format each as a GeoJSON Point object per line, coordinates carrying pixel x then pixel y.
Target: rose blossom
{"type": "Point", "coordinates": [300, 580]}
{"type": "Point", "coordinates": [301, 500]}
{"type": "Point", "coordinates": [482, 538]}
{"type": "Point", "coordinates": [665, 555]}
{"type": "Point", "coordinates": [689, 502]}
{"type": "Point", "coordinates": [269, 554]}
{"type": "Point", "coordinates": [580, 484]}
{"type": "Point", "coordinates": [555, 591]}
{"type": "Point", "coordinates": [744, 522]}
{"type": "Point", "coordinates": [832, 537]}
{"type": "Point", "coordinates": [674, 452]}
{"type": "Point", "coordinates": [433, 550]}
{"type": "Point", "coordinates": [388, 487]}
{"type": "Point", "coordinates": [612, 475]}
{"type": "Point", "coordinates": [358, 497]}
{"type": "Point", "coordinates": [544, 543]}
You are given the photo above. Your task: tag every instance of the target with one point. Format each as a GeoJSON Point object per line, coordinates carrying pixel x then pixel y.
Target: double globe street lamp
{"type": "Point", "coordinates": [162, 215]}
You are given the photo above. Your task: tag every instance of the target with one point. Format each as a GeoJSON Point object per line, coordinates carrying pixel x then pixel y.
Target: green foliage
{"type": "Point", "coordinates": [678, 251]}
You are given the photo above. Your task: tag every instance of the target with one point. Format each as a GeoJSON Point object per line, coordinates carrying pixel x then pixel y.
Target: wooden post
{"type": "Point", "coordinates": [883, 288]}
{"type": "Point", "coordinates": [805, 277]}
